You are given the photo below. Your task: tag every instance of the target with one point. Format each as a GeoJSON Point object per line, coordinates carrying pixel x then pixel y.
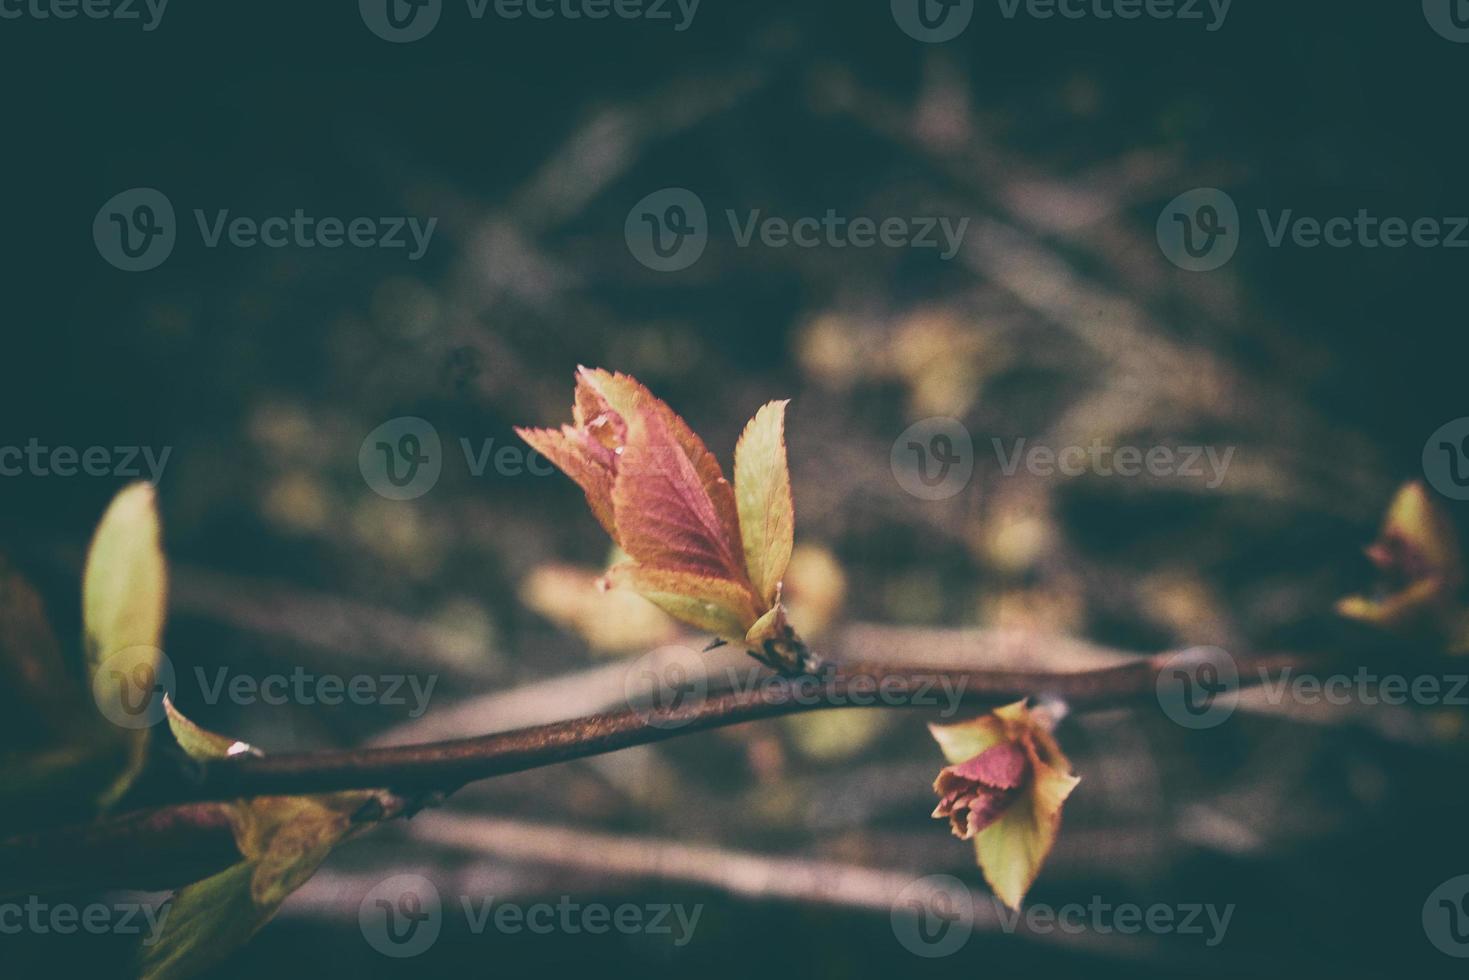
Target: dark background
{"type": "Point", "coordinates": [264, 369]}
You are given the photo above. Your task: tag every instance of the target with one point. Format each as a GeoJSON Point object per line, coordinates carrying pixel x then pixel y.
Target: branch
{"type": "Point", "coordinates": [443, 767]}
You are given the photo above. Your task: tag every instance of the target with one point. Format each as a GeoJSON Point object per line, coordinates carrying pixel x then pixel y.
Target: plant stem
{"type": "Point", "coordinates": [443, 767]}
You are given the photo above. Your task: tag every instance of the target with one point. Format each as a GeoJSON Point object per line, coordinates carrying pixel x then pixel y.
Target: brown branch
{"type": "Point", "coordinates": [443, 767]}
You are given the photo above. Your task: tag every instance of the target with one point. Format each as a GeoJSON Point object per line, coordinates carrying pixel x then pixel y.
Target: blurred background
{"type": "Point", "coordinates": [1058, 320]}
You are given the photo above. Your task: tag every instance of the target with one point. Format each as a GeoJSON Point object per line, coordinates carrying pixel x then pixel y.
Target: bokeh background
{"type": "Point", "coordinates": [1059, 321]}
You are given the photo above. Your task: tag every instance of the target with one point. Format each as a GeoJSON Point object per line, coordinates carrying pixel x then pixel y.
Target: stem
{"type": "Point", "coordinates": [443, 767]}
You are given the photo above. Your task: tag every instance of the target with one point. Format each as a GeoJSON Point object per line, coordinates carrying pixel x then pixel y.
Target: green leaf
{"type": "Point", "coordinates": [205, 922]}
{"type": "Point", "coordinates": [715, 605]}
{"type": "Point", "coordinates": [283, 839]}
{"type": "Point", "coordinates": [125, 585]}
{"type": "Point", "coordinates": [1011, 850]}
{"type": "Point", "coordinates": [763, 497]}
{"type": "Point", "coordinates": [124, 601]}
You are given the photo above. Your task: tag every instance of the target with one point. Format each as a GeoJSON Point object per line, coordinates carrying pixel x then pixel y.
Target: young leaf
{"type": "Point", "coordinates": [124, 600]}
{"type": "Point", "coordinates": [125, 585]}
{"type": "Point", "coordinates": [763, 494]}
{"type": "Point", "coordinates": [655, 486]}
{"type": "Point", "coordinates": [283, 840]}
{"type": "Point", "coordinates": [1004, 788]}
{"type": "Point", "coordinates": [1417, 557]}
{"type": "Point", "coordinates": [715, 605]}
{"type": "Point", "coordinates": [666, 517]}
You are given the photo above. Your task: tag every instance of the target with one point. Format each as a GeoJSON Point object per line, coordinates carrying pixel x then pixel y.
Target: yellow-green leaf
{"type": "Point", "coordinates": [283, 840]}
{"type": "Point", "coordinates": [715, 605]}
{"type": "Point", "coordinates": [124, 600]}
{"type": "Point", "coordinates": [763, 496]}
{"type": "Point", "coordinates": [125, 586]}
{"type": "Point", "coordinates": [205, 922]}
